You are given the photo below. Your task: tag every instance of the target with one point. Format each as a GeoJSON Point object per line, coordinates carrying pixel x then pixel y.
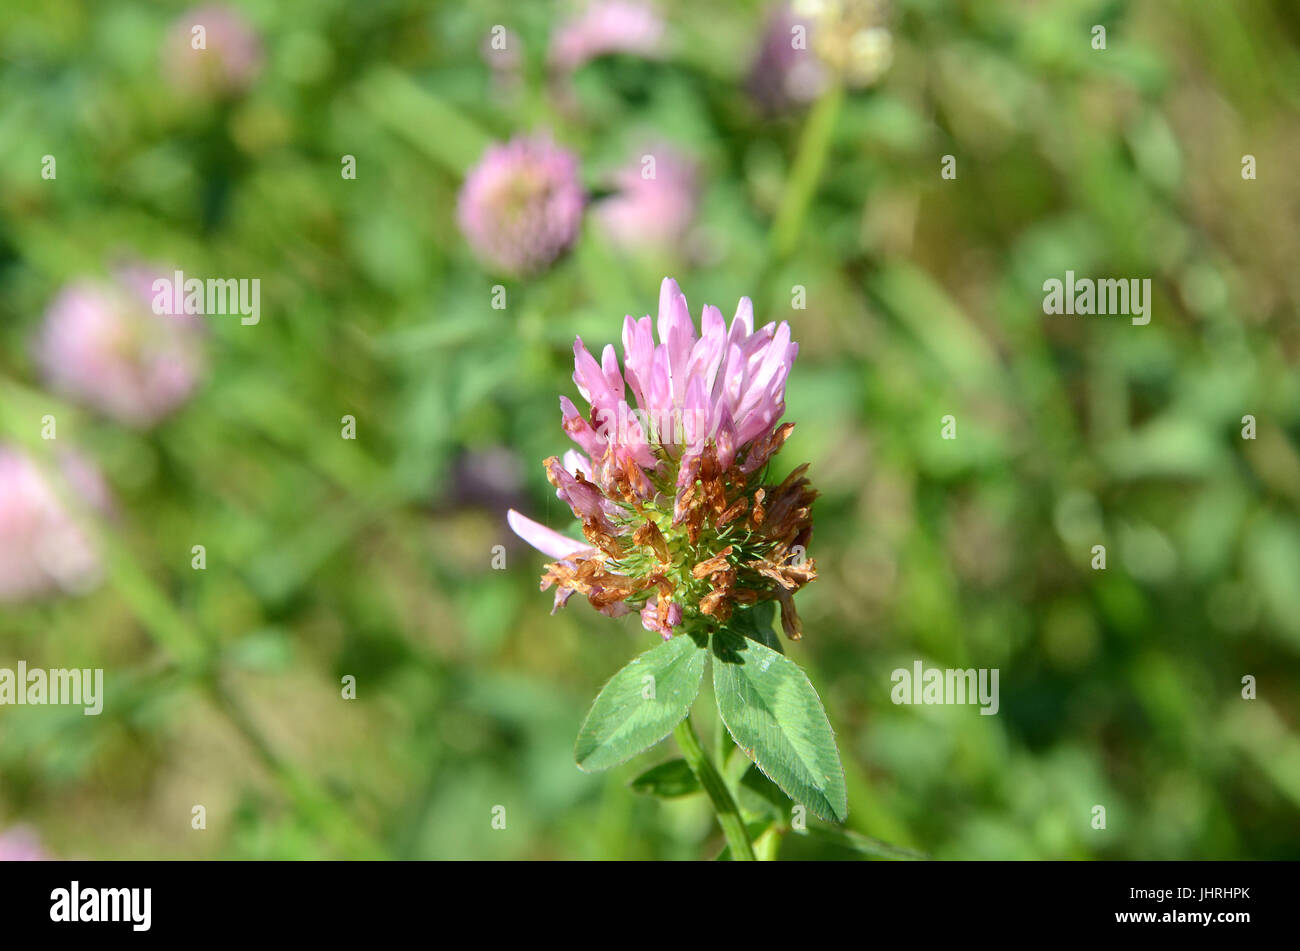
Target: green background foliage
{"type": "Point", "coordinates": [328, 558]}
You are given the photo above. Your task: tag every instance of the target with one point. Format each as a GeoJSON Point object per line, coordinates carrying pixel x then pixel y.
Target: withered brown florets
{"type": "Point", "coordinates": [714, 540]}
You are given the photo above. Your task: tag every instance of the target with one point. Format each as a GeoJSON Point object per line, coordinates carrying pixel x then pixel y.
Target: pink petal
{"type": "Point", "coordinates": [585, 499]}
{"type": "Point", "coordinates": [591, 380]}
{"type": "Point", "coordinates": [695, 416]}
{"type": "Point", "coordinates": [676, 333]}
{"type": "Point", "coordinates": [545, 540]}
{"type": "Point", "coordinates": [580, 431]}
{"type": "Point", "coordinates": [609, 367]}
{"type": "Point", "coordinates": [706, 357]}
{"type": "Point", "coordinates": [650, 617]}
{"type": "Point", "coordinates": [638, 355]}
{"type": "Point", "coordinates": [725, 437]}
{"type": "Point", "coordinates": [576, 462]}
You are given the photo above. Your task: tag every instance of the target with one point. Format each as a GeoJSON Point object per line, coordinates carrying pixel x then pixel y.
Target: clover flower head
{"type": "Point", "coordinates": [103, 345]}
{"type": "Point", "coordinates": [222, 60]}
{"type": "Point", "coordinates": [521, 207]}
{"type": "Point", "coordinates": [679, 518]}
{"type": "Point", "coordinates": [654, 203]}
{"type": "Point", "coordinates": [44, 548]}
{"type": "Point", "coordinates": [785, 71]}
{"type": "Point", "coordinates": [604, 27]}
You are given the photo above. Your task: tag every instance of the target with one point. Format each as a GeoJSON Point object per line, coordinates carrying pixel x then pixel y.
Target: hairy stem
{"type": "Point", "coordinates": [733, 827]}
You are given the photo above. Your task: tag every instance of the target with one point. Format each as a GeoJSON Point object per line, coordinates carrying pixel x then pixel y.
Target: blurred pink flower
{"type": "Point", "coordinates": [521, 206]}
{"type": "Point", "coordinates": [655, 203]}
{"type": "Point", "coordinates": [20, 844]}
{"type": "Point", "coordinates": [103, 345]}
{"type": "Point", "coordinates": [503, 53]}
{"type": "Point", "coordinates": [786, 72]}
{"type": "Point", "coordinates": [229, 57]}
{"type": "Point", "coordinates": [43, 547]}
{"type": "Point", "coordinates": [491, 477]}
{"type": "Point", "coordinates": [604, 27]}
{"type": "Point", "coordinates": [503, 50]}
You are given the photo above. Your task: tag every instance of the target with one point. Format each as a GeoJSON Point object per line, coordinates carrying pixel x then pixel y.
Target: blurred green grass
{"type": "Point", "coordinates": [329, 557]}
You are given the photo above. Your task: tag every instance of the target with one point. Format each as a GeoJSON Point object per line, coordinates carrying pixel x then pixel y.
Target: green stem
{"type": "Point", "coordinates": [814, 146]}
{"type": "Point", "coordinates": [733, 827]}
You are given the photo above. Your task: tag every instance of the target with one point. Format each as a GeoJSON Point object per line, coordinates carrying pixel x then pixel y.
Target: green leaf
{"type": "Point", "coordinates": [757, 794]}
{"type": "Point", "coordinates": [862, 844]}
{"type": "Point", "coordinates": [756, 624]}
{"type": "Point", "coordinates": [634, 712]}
{"type": "Point", "coordinates": [668, 780]}
{"type": "Point", "coordinates": [776, 718]}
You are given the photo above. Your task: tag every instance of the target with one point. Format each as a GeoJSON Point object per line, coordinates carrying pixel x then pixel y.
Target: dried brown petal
{"type": "Point", "coordinates": [775, 572]}
{"type": "Point", "coordinates": [734, 511]}
{"type": "Point", "coordinates": [602, 539]}
{"type": "Point", "coordinates": [766, 448]}
{"type": "Point", "coordinates": [716, 605]}
{"type": "Point", "coordinates": [789, 617]}
{"type": "Point", "coordinates": [716, 563]}
{"type": "Point", "coordinates": [649, 534]}
{"type": "Point", "coordinates": [723, 580]}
